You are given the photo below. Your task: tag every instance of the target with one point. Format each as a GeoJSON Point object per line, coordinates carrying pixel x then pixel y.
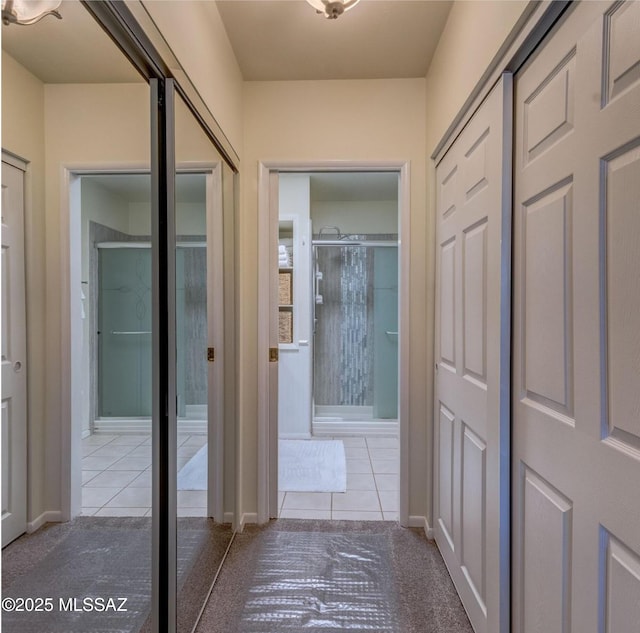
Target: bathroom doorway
{"type": "Point", "coordinates": [115, 357]}
{"type": "Point", "coordinates": [339, 312]}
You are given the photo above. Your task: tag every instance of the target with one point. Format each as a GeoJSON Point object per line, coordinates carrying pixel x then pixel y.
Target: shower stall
{"type": "Point", "coordinates": [355, 368]}
{"type": "Point", "coordinates": [123, 345]}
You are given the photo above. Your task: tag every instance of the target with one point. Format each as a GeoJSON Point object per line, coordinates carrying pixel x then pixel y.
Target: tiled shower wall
{"type": "Point", "coordinates": [343, 343]}
{"type": "Point", "coordinates": [195, 325]}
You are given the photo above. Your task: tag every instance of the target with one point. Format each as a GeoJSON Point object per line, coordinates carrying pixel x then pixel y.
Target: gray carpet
{"type": "Point", "coordinates": [109, 558]}
{"type": "Point", "coordinates": [315, 581]}
{"type": "Point", "coordinates": [325, 576]}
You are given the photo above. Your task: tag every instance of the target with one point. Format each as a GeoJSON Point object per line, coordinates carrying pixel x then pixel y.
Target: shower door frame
{"type": "Point", "coordinates": [353, 423]}
{"type": "Point", "coordinates": [268, 216]}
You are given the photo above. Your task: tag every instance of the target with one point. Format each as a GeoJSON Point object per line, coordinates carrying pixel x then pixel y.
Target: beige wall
{"type": "Point", "coordinates": [372, 216]}
{"type": "Point", "coordinates": [474, 32]}
{"type": "Point", "coordinates": [198, 39]}
{"type": "Point", "coordinates": [23, 135]}
{"type": "Point", "coordinates": [289, 121]}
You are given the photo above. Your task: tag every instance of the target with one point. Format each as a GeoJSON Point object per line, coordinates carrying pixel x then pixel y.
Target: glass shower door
{"type": "Point", "coordinates": [385, 326]}
{"type": "Point", "coordinates": [356, 335]}
{"type": "Point", "coordinates": [124, 332]}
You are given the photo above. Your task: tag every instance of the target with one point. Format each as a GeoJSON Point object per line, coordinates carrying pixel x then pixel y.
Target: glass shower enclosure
{"type": "Point", "coordinates": [124, 330]}
{"type": "Point", "coordinates": [356, 332]}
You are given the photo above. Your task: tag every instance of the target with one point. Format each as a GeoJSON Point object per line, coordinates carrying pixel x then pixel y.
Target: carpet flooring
{"type": "Point", "coordinates": [295, 575]}
{"type": "Point", "coordinates": [106, 557]}
{"type": "Point", "coordinates": [291, 575]}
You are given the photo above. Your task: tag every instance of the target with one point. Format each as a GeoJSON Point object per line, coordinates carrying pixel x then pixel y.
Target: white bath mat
{"type": "Point", "coordinates": [193, 475]}
{"type": "Point", "coordinates": [312, 466]}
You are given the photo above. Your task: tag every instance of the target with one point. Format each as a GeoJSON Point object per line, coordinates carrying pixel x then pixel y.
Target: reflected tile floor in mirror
{"type": "Point", "coordinates": [116, 476]}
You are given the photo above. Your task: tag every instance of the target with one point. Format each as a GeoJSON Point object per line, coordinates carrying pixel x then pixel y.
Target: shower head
{"type": "Point", "coordinates": [324, 229]}
{"type": "Point", "coordinates": [340, 236]}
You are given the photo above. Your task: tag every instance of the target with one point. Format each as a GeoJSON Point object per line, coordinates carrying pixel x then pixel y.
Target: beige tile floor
{"type": "Point", "coordinates": [372, 486]}
{"type": "Point", "coordinates": [116, 480]}
{"type": "Point", "coordinates": [116, 476]}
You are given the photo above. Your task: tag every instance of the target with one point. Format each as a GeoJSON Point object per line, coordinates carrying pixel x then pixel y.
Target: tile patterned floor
{"type": "Point", "coordinates": [116, 476]}
{"type": "Point", "coordinates": [372, 486]}
{"type": "Point", "coordinates": [116, 480]}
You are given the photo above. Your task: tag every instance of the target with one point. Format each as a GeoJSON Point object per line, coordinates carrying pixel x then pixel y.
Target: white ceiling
{"type": "Point", "coordinates": [377, 39]}
{"type": "Point", "coordinates": [272, 40]}
{"type": "Point", "coordinates": [72, 50]}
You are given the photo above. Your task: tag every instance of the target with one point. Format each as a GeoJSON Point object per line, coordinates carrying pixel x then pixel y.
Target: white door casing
{"type": "Point", "coordinates": [576, 356]}
{"type": "Point", "coordinates": [14, 355]}
{"type": "Point", "coordinates": [295, 364]}
{"type": "Point", "coordinates": [268, 326]}
{"type": "Point", "coordinates": [472, 317]}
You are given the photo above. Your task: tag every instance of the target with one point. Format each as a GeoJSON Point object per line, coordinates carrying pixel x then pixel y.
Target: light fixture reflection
{"type": "Point", "coordinates": [28, 11]}
{"type": "Point", "coordinates": [332, 9]}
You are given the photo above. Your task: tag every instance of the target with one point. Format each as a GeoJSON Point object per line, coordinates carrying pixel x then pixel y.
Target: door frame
{"type": "Point", "coordinates": [267, 465]}
{"type": "Point", "coordinates": [71, 239]}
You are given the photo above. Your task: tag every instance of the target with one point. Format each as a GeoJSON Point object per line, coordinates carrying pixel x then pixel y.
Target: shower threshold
{"type": "Point", "coordinates": [121, 426]}
{"type": "Point", "coordinates": [338, 420]}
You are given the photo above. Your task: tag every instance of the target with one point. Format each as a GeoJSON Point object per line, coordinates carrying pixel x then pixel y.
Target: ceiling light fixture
{"type": "Point", "coordinates": [28, 11]}
{"type": "Point", "coordinates": [332, 9]}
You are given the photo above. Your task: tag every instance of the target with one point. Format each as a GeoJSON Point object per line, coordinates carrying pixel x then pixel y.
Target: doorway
{"type": "Point", "coordinates": [113, 363]}
{"type": "Point", "coordinates": [338, 334]}
{"type": "Point", "coordinates": [337, 309]}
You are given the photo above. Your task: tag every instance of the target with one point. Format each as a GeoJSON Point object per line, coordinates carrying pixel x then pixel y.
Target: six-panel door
{"type": "Point", "coordinates": [468, 338]}
{"type": "Point", "coordinates": [576, 354]}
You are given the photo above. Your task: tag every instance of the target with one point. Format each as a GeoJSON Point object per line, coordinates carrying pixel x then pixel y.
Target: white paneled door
{"type": "Point", "coordinates": [471, 426]}
{"type": "Point", "coordinates": [576, 357]}
{"type": "Point", "coordinates": [14, 380]}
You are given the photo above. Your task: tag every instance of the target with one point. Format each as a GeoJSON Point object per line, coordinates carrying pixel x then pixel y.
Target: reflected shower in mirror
{"type": "Point", "coordinates": [73, 99]}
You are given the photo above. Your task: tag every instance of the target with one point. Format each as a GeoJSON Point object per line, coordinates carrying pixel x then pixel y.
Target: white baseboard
{"type": "Point", "coordinates": [248, 518]}
{"type": "Point", "coordinates": [86, 433]}
{"type": "Point", "coordinates": [51, 516]}
{"type": "Point", "coordinates": [421, 522]}
{"type": "Point", "coordinates": [228, 517]}
{"type": "Point", "coordinates": [294, 436]}
{"type": "Point", "coordinates": [341, 428]}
